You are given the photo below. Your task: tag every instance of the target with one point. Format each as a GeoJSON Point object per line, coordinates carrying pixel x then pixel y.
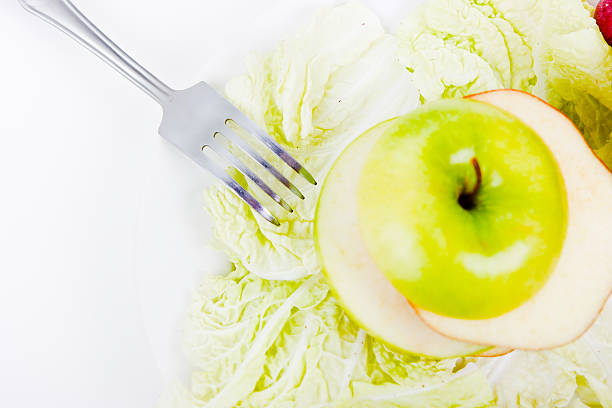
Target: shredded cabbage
{"type": "Point", "coordinates": [576, 375]}
{"type": "Point", "coordinates": [552, 48]}
{"type": "Point", "coordinates": [261, 343]}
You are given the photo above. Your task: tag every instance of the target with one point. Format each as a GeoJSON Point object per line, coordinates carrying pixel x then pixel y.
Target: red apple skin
{"type": "Point", "coordinates": [495, 352]}
{"type": "Point", "coordinates": [603, 16]}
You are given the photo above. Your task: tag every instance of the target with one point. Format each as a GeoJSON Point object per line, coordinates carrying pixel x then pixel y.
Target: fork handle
{"type": "Point", "coordinates": [65, 16]}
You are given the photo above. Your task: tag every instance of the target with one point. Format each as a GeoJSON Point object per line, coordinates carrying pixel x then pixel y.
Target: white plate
{"type": "Point", "coordinates": [172, 252]}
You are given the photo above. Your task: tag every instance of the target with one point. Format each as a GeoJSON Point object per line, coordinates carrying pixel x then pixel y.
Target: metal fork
{"type": "Point", "coordinates": [191, 118]}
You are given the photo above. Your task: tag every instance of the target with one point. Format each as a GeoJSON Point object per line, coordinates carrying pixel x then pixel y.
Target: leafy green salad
{"type": "Point", "coordinates": [270, 333]}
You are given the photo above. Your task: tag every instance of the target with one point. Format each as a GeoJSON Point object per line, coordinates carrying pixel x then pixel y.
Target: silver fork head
{"type": "Point", "coordinates": [192, 119]}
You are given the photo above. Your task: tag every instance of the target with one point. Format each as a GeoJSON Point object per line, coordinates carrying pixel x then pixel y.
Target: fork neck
{"type": "Point", "coordinates": [65, 16]}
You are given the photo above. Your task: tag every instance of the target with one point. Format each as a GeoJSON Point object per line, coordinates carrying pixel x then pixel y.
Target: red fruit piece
{"type": "Point", "coordinates": [603, 16]}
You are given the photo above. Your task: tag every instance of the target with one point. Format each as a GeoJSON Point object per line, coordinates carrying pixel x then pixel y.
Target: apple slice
{"type": "Point", "coordinates": [495, 352]}
{"type": "Point", "coordinates": [364, 292]}
{"type": "Point", "coordinates": [570, 301]}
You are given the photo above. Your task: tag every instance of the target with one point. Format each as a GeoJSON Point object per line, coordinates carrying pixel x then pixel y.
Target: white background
{"type": "Point", "coordinates": [102, 234]}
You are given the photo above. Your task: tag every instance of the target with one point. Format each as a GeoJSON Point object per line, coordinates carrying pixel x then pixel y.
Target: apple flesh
{"type": "Point", "coordinates": [366, 295]}
{"type": "Point", "coordinates": [603, 16]}
{"type": "Point", "coordinates": [572, 298]}
{"type": "Point", "coordinates": [463, 208]}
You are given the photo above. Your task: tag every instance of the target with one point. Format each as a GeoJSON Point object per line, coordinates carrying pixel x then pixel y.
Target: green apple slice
{"type": "Point", "coordinates": [366, 295]}
{"type": "Point", "coordinates": [577, 290]}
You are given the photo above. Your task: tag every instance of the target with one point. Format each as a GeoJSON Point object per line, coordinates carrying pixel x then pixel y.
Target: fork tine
{"type": "Point", "coordinates": [271, 144]}
{"type": "Point", "coordinates": [237, 140]}
{"type": "Point", "coordinates": [221, 174]}
{"type": "Point", "coordinates": [227, 155]}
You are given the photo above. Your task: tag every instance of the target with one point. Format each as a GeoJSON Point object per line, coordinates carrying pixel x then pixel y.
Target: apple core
{"type": "Point", "coordinates": [467, 197]}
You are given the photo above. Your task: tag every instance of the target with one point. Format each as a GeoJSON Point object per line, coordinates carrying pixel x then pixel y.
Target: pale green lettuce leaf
{"type": "Point", "coordinates": [468, 388]}
{"type": "Point", "coordinates": [261, 343]}
{"type": "Point", "coordinates": [576, 375]}
{"type": "Point", "coordinates": [552, 48]}
{"type": "Point", "coordinates": [315, 93]}
{"type": "Point", "coordinates": [532, 379]}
